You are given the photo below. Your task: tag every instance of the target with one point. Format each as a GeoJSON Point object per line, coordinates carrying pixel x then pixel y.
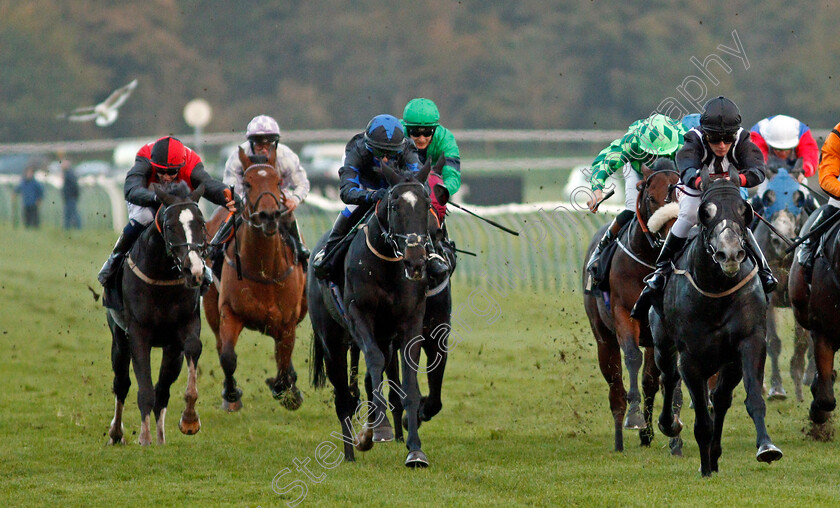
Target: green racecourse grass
{"type": "Point", "coordinates": [525, 419]}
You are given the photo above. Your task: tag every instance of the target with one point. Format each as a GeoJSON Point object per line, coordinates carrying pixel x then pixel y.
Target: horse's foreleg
{"type": "Point", "coordinates": [283, 387]}
{"type": "Point", "coordinates": [145, 392]}
{"type": "Point", "coordinates": [703, 425]}
{"type": "Point", "coordinates": [822, 387]}
{"type": "Point", "coordinates": [230, 326]}
{"type": "Point", "coordinates": [628, 337]}
{"type": "Point", "coordinates": [728, 378]}
{"type": "Point", "coordinates": [774, 350]}
{"type": "Point", "coordinates": [609, 360]}
{"type": "Point", "coordinates": [665, 355]}
{"type": "Point", "coordinates": [170, 369]}
{"type": "Point", "coordinates": [436, 348]}
{"type": "Point", "coordinates": [120, 361]}
{"type": "Point", "coordinates": [190, 423]}
{"type": "Point", "coordinates": [354, 372]}
{"type": "Point", "coordinates": [394, 398]}
{"type": "Point", "coordinates": [650, 385]}
{"type": "Point", "coordinates": [753, 353]}
{"type": "Point", "coordinates": [411, 353]}
{"type": "Point", "coordinates": [362, 332]}
{"type": "Point", "coordinates": [802, 346]}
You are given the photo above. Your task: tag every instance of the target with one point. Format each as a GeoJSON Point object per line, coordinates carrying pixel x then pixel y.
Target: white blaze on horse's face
{"type": "Point", "coordinates": [727, 244]}
{"type": "Point", "coordinates": [186, 217]}
{"type": "Point", "coordinates": [262, 172]}
{"type": "Point", "coordinates": [410, 198]}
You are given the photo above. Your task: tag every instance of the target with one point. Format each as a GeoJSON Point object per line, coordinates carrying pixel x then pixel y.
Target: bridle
{"type": "Point", "coordinates": [410, 240]}
{"type": "Point", "coordinates": [655, 240]}
{"type": "Point", "coordinates": [250, 209]}
{"type": "Point", "coordinates": [169, 245]}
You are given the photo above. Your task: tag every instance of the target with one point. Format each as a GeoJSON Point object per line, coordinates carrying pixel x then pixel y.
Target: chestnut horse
{"type": "Point", "coordinates": [270, 296]}
{"type": "Point", "coordinates": [609, 312]}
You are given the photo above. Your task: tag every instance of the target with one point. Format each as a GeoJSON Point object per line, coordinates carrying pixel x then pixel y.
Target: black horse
{"type": "Point", "coordinates": [713, 314]}
{"type": "Point", "coordinates": [381, 312]}
{"type": "Point", "coordinates": [160, 291]}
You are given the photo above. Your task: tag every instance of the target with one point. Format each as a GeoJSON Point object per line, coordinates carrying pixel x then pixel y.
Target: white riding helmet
{"type": "Point", "coordinates": [262, 125]}
{"type": "Point", "coordinates": [781, 132]}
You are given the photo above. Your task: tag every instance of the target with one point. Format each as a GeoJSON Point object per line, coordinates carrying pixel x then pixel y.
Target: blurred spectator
{"type": "Point", "coordinates": [32, 193]}
{"type": "Point", "coordinates": [70, 191]}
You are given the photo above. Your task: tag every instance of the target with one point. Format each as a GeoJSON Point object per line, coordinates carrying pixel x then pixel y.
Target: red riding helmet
{"type": "Point", "coordinates": [168, 153]}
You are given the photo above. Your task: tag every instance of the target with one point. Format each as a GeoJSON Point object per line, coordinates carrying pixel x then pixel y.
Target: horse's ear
{"type": "Point", "coordinates": [197, 193]}
{"type": "Point", "coordinates": [769, 197]}
{"type": "Point", "coordinates": [162, 196]}
{"type": "Point", "coordinates": [748, 213]}
{"type": "Point", "coordinates": [441, 193]}
{"type": "Point", "coordinates": [244, 159]}
{"type": "Point", "coordinates": [389, 172]}
{"type": "Point", "coordinates": [799, 198]}
{"type": "Point", "coordinates": [424, 172]}
{"type": "Point", "coordinates": [646, 171]}
{"type": "Point", "coordinates": [704, 177]}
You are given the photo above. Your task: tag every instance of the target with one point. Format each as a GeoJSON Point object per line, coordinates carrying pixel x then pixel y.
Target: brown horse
{"type": "Point", "coordinates": [609, 313]}
{"type": "Point", "coordinates": [815, 308]}
{"type": "Point", "coordinates": [270, 296]}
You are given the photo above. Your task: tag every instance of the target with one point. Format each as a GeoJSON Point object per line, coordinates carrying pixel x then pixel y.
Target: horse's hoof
{"type": "Point", "coordinates": [116, 436]}
{"type": "Point", "coordinates": [776, 393]}
{"type": "Point", "coordinates": [231, 407]}
{"type": "Point", "coordinates": [120, 440]}
{"type": "Point", "coordinates": [234, 396]}
{"type": "Point", "coordinates": [364, 440]}
{"type": "Point", "coordinates": [635, 421]}
{"type": "Point", "coordinates": [822, 432]}
{"type": "Point", "coordinates": [676, 444]}
{"type": "Point", "coordinates": [383, 434]}
{"type": "Point", "coordinates": [768, 453]}
{"type": "Point", "coordinates": [672, 430]}
{"type": "Point", "coordinates": [416, 459]}
{"type": "Point", "coordinates": [189, 427]}
{"type": "Point", "coordinates": [290, 399]}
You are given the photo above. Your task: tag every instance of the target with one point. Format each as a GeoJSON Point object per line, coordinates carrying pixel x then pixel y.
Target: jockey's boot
{"type": "Point", "coordinates": [655, 282]}
{"type": "Point", "coordinates": [300, 248]}
{"type": "Point", "coordinates": [609, 235]}
{"type": "Point", "coordinates": [806, 253]}
{"type": "Point", "coordinates": [322, 262]}
{"type": "Point", "coordinates": [129, 235]}
{"type": "Point", "coordinates": [765, 275]}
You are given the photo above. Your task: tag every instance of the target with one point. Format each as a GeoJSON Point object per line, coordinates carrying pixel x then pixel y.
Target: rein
{"type": "Point", "coordinates": [248, 209]}
{"type": "Point", "coordinates": [200, 247]}
{"type": "Point", "coordinates": [654, 242]}
{"type": "Point", "coordinates": [411, 239]}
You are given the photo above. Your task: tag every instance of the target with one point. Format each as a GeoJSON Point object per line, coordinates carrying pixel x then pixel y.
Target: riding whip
{"type": "Point", "coordinates": [816, 231]}
{"type": "Point", "coordinates": [235, 241]}
{"type": "Point", "coordinates": [773, 229]}
{"type": "Point", "coordinates": [493, 223]}
{"type": "Point", "coordinates": [462, 251]}
{"type": "Point", "coordinates": [604, 198]}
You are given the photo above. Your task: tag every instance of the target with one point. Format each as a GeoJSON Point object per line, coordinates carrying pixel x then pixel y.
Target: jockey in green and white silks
{"type": "Point", "coordinates": [645, 141]}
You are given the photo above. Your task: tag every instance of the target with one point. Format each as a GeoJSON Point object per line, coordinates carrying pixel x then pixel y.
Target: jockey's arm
{"type": "Point", "coordinates": [136, 184]}
{"type": "Point", "coordinates": [829, 169]}
{"type": "Point", "coordinates": [751, 162]}
{"type": "Point", "coordinates": [214, 190]}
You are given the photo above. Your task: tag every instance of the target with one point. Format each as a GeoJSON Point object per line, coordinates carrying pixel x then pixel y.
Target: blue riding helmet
{"type": "Point", "coordinates": [385, 133]}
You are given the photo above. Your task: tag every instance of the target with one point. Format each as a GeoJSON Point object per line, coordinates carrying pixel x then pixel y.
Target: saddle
{"type": "Point", "coordinates": [605, 263]}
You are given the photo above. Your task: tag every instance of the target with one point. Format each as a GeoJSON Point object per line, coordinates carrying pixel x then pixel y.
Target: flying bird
{"type": "Point", "coordinates": [106, 112]}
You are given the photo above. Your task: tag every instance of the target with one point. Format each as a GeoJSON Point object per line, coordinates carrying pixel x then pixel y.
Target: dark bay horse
{"type": "Point", "coordinates": [160, 291]}
{"type": "Point", "coordinates": [270, 297]}
{"type": "Point", "coordinates": [713, 313]}
{"type": "Point", "coordinates": [381, 311]}
{"type": "Point", "coordinates": [815, 308]}
{"type": "Point", "coordinates": [609, 313]}
{"type": "Point", "coordinates": [788, 224]}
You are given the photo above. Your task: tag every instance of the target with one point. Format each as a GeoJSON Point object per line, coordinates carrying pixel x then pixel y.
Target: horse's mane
{"type": "Point", "coordinates": [176, 188]}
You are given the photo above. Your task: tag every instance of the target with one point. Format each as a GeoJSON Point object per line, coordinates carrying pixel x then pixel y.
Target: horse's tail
{"type": "Point", "coordinates": [317, 367]}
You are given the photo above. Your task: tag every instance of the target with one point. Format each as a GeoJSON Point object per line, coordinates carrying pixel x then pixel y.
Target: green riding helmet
{"type": "Point", "coordinates": [660, 135]}
{"type": "Point", "coordinates": [421, 112]}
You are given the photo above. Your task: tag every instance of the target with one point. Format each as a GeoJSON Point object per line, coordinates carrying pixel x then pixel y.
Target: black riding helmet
{"type": "Point", "coordinates": [384, 133]}
{"type": "Point", "coordinates": [720, 115]}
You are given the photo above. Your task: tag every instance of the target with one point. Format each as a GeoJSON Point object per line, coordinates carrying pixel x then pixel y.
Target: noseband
{"type": "Point", "coordinates": [391, 238]}
{"type": "Point", "coordinates": [250, 209]}
{"type": "Point", "coordinates": [201, 248]}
